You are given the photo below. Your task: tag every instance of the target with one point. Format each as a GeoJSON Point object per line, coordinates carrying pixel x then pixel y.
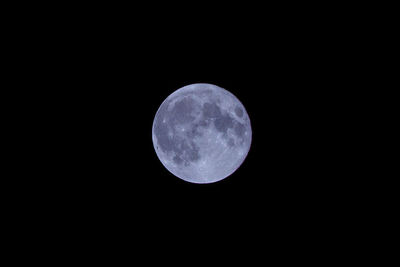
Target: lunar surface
{"type": "Point", "coordinates": [201, 133]}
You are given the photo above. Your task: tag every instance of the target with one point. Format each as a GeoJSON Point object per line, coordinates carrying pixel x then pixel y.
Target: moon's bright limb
{"type": "Point", "coordinates": [201, 133]}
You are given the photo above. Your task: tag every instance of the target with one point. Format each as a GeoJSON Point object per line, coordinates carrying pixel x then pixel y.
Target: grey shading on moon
{"type": "Point", "coordinates": [201, 133]}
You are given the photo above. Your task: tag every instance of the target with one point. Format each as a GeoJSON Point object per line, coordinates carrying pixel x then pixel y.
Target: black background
{"type": "Point", "coordinates": [100, 78]}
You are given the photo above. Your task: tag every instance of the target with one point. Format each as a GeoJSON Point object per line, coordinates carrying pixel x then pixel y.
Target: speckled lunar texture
{"type": "Point", "coordinates": [201, 133]}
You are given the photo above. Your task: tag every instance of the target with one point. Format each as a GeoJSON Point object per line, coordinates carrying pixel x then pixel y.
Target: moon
{"type": "Point", "coordinates": [201, 133]}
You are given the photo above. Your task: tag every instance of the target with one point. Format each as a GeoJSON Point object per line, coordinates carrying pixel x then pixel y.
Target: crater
{"type": "Point", "coordinates": [177, 160]}
{"type": "Point", "coordinates": [223, 123]}
{"type": "Point", "coordinates": [162, 131]}
{"type": "Point", "coordinates": [239, 111]}
{"type": "Point", "coordinates": [239, 129]}
{"type": "Point", "coordinates": [194, 130]}
{"type": "Point", "coordinates": [204, 122]}
{"type": "Point", "coordinates": [203, 93]}
{"type": "Point", "coordinates": [170, 139]}
{"type": "Point", "coordinates": [193, 153]}
{"type": "Point", "coordinates": [165, 139]}
{"type": "Point", "coordinates": [185, 152]}
{"type": "Point", "coordinates": [231, 142]}
{"type": "Point", "coordinates": [211, 110]}
{"type": "Point", "coordinates": [182, 111]}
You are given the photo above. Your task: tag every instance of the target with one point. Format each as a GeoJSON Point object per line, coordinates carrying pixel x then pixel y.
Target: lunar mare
{"type": "Point", "coordinates": [201, 133]}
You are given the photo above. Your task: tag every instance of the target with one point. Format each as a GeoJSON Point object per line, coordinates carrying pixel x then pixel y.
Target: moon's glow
{"type": "Point", "coordinates": [201, 133]}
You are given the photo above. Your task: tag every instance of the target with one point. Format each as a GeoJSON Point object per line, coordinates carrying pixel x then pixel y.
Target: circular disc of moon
{"type": "Point", "coordinates": [201, 133]}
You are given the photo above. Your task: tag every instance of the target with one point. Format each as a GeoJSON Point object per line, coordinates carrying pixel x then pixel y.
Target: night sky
{"type": "Point", "coordinates": [101, 85]}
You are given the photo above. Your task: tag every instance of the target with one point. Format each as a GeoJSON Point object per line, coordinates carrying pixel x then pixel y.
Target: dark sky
{"type": "Point", "coordinates": [109, 99]}
{"type": "Point", "coordinates": [101, 85]}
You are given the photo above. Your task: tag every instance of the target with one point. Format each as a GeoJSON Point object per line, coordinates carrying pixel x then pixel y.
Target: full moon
{"type": "Point", "coordinates": [201, 133]}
